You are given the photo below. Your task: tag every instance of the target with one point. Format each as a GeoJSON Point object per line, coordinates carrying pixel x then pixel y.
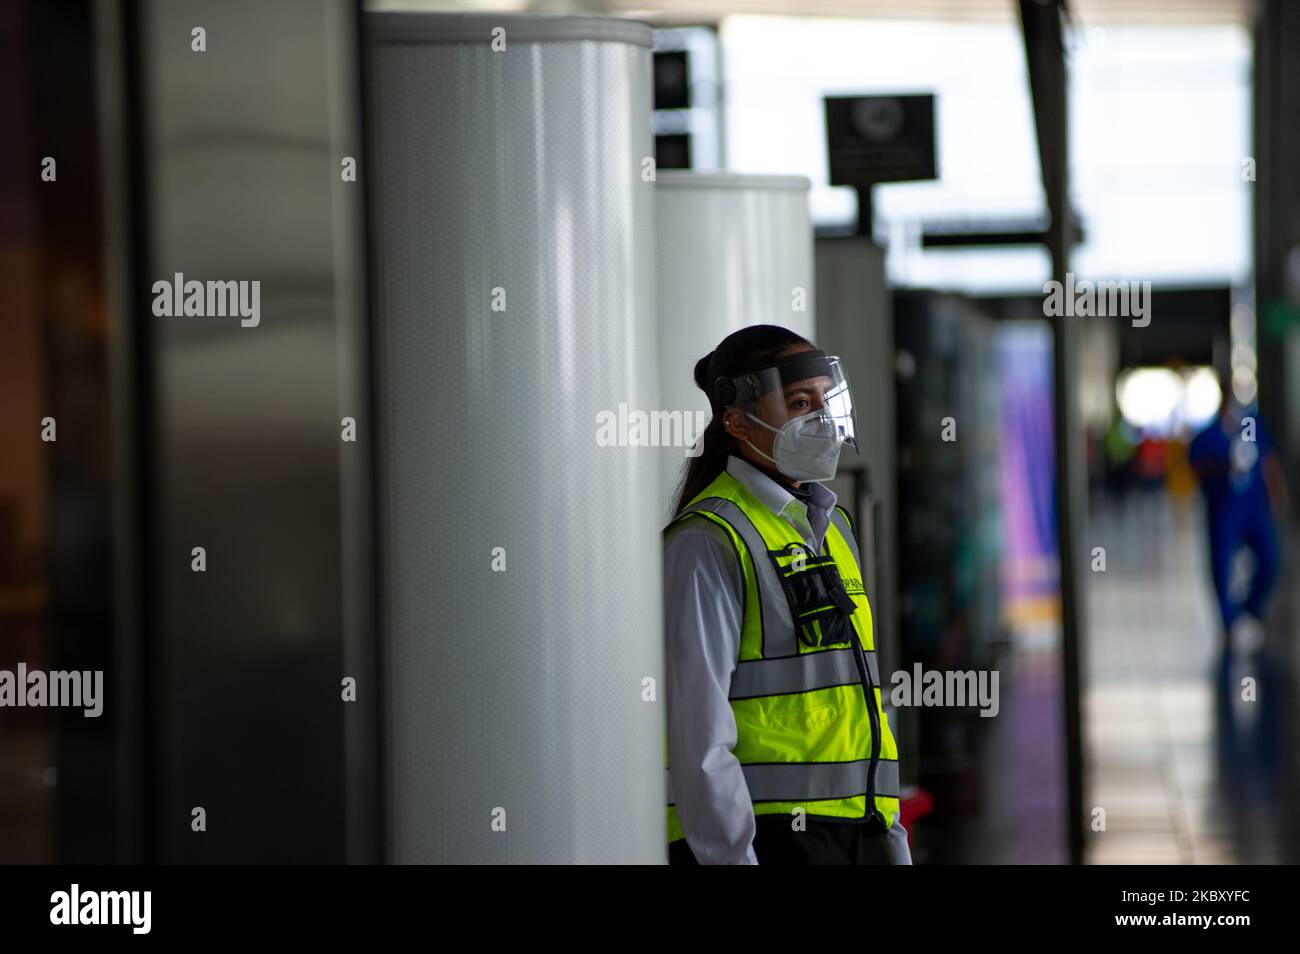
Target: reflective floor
{"type": "Point", "coordinates": [1191, 751]}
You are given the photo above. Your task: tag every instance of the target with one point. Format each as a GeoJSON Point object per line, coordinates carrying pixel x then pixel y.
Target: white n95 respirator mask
{"type": "Point", "coordinates": [806, 447]}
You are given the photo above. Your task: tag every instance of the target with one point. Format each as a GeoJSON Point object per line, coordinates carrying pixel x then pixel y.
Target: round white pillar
{"type": "Point", "coordinates": [514, 258]}
{"type": "Point", "coordinates": [733, 250]}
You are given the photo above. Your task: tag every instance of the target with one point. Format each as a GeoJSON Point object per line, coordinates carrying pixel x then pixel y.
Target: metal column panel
{"type": "Point", "coordinates": [1049, 84]}
{"type": "Point", "coordinates": [513, 178]}
{"type": "Point", "coordinates": [732, 250]}
{"type": "Point", "coordinates": [240, 437]}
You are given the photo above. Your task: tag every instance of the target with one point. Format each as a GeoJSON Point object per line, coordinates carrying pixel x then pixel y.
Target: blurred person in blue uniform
{"type": "Point", "coordinates": [1244, 489]}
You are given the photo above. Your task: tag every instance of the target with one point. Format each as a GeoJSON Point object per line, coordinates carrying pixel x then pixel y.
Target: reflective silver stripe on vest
{"type": "Point", "coordinates": [811, 781]}
{"type": "Point", "coordinates": [778, 631]}
{"type": "Point", "coordinates": [846, 532]}
{"type": "Point", "coordinates": [815, 670]}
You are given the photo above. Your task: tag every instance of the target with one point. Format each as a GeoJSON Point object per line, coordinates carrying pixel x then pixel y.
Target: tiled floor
{"type": "Point", "coordinates": [1184, 770]}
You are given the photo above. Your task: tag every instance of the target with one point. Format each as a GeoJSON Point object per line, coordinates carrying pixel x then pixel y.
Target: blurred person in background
{"type": "Point", "coordinates": [1149, 463]}
{"type": "Point", "coordinates": [1242, 480]}
{"type": "Point", "coordinates": [1119, 458]}
{"type": "Point", "coordinates": [1180, 479]}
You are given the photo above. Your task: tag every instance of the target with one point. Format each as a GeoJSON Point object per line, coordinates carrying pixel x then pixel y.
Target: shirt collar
{"type": "Point", "coordinates": [770, 492]}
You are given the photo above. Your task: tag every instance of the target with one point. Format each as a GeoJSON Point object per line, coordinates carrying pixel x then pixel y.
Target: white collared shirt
{"type": "Point", "coordinates": [811, 520]}
{"type": "Point", "coordinates": [703, 615]}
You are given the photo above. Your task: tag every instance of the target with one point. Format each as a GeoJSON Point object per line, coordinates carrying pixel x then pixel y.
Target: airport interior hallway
{"type": "Point", "coordinates": [1191, 754]}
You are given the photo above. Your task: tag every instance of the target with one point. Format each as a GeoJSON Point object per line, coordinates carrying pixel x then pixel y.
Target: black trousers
{"type": "Point", "coordinates": [822, 843]}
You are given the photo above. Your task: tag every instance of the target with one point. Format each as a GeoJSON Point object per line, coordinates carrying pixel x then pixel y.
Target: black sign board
{"type": "Point", "coordinates": [672, 80]}
{"type": "Point", "coordinates": [880, 139]}
{"type": "Point", "coordinates": [673, 151]}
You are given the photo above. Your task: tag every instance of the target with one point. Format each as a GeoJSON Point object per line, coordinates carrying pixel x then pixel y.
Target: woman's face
{"type": "Point", "coordinates": [775, 408]}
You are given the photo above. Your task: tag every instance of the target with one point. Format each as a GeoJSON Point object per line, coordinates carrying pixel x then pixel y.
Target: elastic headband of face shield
{"type": "Point", "coordinates": [749, 390]}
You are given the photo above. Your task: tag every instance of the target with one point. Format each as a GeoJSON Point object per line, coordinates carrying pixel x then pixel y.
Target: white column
{"type": "Point", "coordinates": [514, 261]}
{"type": "Point", "coordinates": [733, 251]}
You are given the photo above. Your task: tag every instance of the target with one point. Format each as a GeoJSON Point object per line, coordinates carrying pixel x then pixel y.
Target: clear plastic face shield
{"type": "Point", "coordinates": [805, 400]}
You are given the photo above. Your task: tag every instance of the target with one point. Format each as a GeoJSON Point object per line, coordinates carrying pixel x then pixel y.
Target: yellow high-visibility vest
{"type": "Point", "coordinates": [806, 736]}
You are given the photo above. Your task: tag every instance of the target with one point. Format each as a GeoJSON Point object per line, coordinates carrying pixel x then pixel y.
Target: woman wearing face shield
{"type": "Point", "coordinates": [779, 750]}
